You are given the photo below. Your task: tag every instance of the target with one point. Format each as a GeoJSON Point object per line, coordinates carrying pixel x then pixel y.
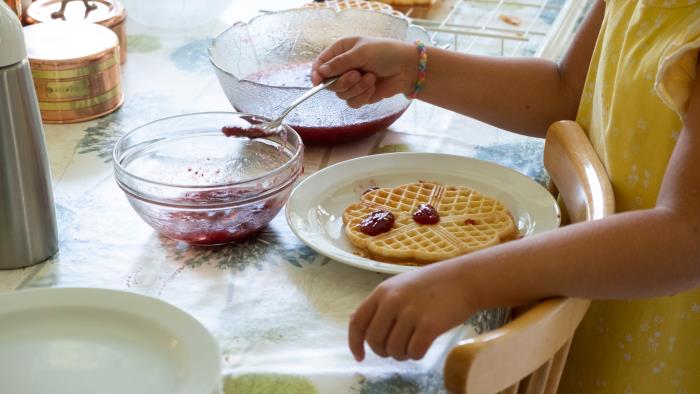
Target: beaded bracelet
{"type": "Point", "coordinates": [422, 68]}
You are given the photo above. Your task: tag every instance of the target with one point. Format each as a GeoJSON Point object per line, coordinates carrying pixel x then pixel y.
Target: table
{"type": "Point", "coordinates": [278, 309]}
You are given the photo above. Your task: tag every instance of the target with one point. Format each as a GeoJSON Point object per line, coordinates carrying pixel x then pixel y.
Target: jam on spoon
{"type": "Point", "coordinates": [426, 214]}
{"type": "Point", "coordinates": [377, 222]}
{"type": "Point", "coordinates": [246, 131]}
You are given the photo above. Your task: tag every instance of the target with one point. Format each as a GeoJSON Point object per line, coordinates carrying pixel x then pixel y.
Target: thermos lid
{"type": "Point", "coordinates": [65, 41]}
{"type": "Point", "coordinates": [11, 39]}
{"type": "Point", "coordinates": [105, 12]}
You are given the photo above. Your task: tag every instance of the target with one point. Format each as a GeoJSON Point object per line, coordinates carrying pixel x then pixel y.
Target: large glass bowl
{"type": "Point", "coordinates": [264, 65]}
{"type": "Point", "coordinates": [190, 182]}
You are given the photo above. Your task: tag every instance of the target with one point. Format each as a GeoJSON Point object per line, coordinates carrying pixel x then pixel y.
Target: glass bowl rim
{"type": "Point", "coordinates": [123, 171]}
{"type": "Point", "coordinates": [210, 48]}
{"type": "Point", "coordinates": [233, 204]}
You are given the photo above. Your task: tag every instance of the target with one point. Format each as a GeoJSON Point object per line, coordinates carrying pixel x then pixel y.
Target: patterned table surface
{"type": "Point", "coordinates": [278, 309]}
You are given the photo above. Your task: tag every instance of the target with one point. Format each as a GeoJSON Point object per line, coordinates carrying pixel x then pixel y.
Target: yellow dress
{"type": "Point", "coordinates": [637, 87]}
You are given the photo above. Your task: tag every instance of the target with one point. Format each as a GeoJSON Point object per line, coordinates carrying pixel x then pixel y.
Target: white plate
{"type": "Point", "coordinates": [315, 208]}
{"type": "Point", "coordinates": [102, 341]}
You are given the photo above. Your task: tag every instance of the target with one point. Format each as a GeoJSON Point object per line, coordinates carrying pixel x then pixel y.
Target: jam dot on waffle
{"type": "Point", "coordinates": [377, 222]}
{"type": "Point", "coordinates": [426, 214]}
{"type": "Point", "coordinates": [470, 222]}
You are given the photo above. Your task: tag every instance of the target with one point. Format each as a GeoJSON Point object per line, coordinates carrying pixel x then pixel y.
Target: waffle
{"type": "Point", "coordinates": [361, 4]}
{"type": "Point", "coordinates": [469, 221]}
{"type": "Point", "coordinates": [408, 2]}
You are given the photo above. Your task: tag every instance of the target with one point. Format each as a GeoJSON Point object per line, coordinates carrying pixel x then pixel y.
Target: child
{"type": "Point", "coordinates": [629, 80]}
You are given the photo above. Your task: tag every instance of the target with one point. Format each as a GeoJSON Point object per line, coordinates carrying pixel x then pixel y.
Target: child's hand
{"type": "Point", "coordinates": [372, 69]}
{"type": "Point", "coordinates": [404, 314]}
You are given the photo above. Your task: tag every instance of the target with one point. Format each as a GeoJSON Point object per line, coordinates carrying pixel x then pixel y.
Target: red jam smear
{"type": "Point", "coordinates": [426, 214]}
{"type": "Point", "coordinates": [248, 132]}
{"type": "Point", "coordinates": [298, 75]}
{"type": "Point", "coordinates": [377, 222]}
{"type": "Point", "coordinates": [471, 222]}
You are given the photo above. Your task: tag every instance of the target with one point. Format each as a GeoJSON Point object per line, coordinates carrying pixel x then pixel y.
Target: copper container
{"type": "Point", "coordinates": [76, 70]}
{"type": "Point", "coordinates": [15, 6]}
{"type": "Point", "coordinates": [108, 13]}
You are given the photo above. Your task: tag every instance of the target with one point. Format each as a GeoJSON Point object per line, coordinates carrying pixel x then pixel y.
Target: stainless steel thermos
{"type": "Point", "coordinates": [27, 214]}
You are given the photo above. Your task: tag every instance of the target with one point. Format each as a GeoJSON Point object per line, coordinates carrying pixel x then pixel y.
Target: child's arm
{"type": "Point", "coordinates": [647, 253]}
{"type": "Point", "coordinates": [524, 95]}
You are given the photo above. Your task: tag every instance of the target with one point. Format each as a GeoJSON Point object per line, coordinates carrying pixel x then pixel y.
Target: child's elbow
{"type": "Point", "coordinates": [694, 254]}
{"type": "Point", "coordinates": [689, 232]}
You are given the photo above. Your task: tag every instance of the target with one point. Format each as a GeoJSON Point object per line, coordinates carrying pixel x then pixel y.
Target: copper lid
{"type": "Point", "coordinates": [65, 41]}
{"type": "Point", "coordinates": [15, 6]}
{"type": "Point", "coordinates": [105, 12]}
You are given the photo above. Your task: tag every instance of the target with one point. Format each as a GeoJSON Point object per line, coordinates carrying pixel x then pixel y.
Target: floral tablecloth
{"type": "Point", "coordinates": [278, 309]}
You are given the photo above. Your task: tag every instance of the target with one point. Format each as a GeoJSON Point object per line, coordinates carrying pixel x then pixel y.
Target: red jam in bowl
{"type": "Point", "coordinates": [426, 214]}
{"type": "Point", "coordinates": [218, 226]}
{"type": "Point", "coordinates": [377, 222]}
{"type": "Point", "coordinates": [337, 134]}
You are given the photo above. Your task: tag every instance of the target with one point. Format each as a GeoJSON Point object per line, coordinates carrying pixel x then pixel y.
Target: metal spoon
{"type": "Point", "coordinates": [264, 129]}
{"type": "Point", "coordinates": [278, 121]}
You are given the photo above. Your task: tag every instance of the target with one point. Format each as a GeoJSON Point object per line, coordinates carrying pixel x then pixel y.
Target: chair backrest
{"type": "Point", "coordinates": [527, 355]}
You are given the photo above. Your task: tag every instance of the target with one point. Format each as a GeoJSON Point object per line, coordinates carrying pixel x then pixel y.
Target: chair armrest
{"type": "Point", "coordinates": [497, 360]}
{"type": "Point", "coordinates": [577, 172]}
{"type": "Point", "coordinates": [508, 354]}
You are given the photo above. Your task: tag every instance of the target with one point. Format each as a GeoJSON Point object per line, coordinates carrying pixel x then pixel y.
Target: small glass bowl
{"type": "Point", "coordinates": [190, 182]}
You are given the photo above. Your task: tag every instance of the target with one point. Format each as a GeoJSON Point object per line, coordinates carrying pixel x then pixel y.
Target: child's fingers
{"type": "Point", "coordinates": [359, 321]}
{"type": "Point", "coordinates": [380, 327]}
{"type": "Point", "coordinates": [344, 56]}
{"type": "Point", "coordinates": [385, 89]}
{"type": "Point", "coordinates": [397, 344]}
{"type": "Point", "coordinates": [339, 47]}
{"type": "Point", "coordinates": [362, 99]}
{"type": "Point", "coordinates": [316, 78]}
{"type": "Point", "coordinates": [420, 341]}
{"type": "Point", "coordinates": [366, 82]}
{"type": "Point", "coordinates": [342, 63]}
{"type": "Point", "coordinates": [375, 98]}
{"type": "Point", "coordinates": [346, 81]}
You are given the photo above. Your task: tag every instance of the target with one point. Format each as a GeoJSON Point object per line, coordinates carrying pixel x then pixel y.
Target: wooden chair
{"type": "Point", "coordinates": [527, 355]}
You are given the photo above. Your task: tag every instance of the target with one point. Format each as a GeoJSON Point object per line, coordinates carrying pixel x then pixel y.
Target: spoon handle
{"type": "Point", "coordinates": [328, 82]}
